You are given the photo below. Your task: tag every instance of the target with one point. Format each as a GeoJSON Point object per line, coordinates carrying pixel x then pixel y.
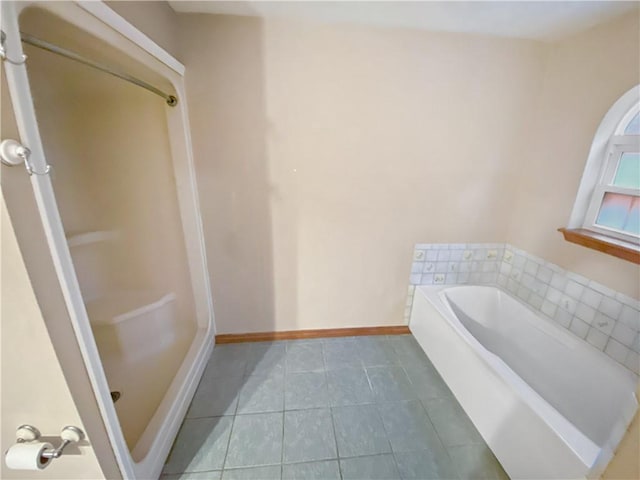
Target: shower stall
{"type": "Point", "coordinates": [103, 133]}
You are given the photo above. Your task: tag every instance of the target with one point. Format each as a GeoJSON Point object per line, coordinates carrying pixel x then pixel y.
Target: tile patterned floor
{"type": "Point", "coordinates": [340, 408]}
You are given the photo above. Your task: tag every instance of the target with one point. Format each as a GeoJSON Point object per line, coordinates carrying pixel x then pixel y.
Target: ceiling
{"type": "Point", "coordinates": [546, 21]}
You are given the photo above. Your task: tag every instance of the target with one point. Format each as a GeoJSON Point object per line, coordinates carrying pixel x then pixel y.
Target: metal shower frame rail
{"type": "Point", "coordinates": [171, 100]}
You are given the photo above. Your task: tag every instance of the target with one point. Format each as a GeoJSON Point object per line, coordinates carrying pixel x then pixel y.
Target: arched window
{"type": "Point", "coordinates": [607, 206]}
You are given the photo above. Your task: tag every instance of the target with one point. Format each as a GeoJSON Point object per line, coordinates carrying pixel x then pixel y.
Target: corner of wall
{"type": "Point", "coordinates": [579, 85]}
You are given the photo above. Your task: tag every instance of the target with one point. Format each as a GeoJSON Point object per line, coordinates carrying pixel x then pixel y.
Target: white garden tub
{"type": "Point", "coordinates": [548, 404]}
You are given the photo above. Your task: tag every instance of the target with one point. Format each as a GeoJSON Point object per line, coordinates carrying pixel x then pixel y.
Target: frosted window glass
{"type": "Point", "coordinates": [628, 172]}
{"type": "Point", "coordinates": [633, 220]}
{"type": "Point", "coordinates": [633, 127]}
{"type": "Point", "coordinates": [620, 212]}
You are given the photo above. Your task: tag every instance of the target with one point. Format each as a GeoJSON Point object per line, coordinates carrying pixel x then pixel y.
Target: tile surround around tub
{"type": "Point", "coordinates": [608, 320]}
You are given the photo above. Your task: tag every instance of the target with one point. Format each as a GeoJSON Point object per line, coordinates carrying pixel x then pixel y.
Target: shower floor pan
{"type": "Point", "coordinates": [139, 338]}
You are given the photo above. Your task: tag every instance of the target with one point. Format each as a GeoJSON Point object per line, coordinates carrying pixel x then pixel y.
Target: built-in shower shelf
{"type": "Point", "coordinates": [120, 306]}
{"type": "Point", "coordinates": [87, 238]}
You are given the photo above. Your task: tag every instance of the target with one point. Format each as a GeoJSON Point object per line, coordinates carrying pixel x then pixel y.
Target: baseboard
{"type": "Point", "coordinates": [304, 334]}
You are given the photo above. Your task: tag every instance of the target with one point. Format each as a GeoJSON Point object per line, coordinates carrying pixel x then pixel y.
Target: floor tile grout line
{"type": "Point", "coordinates": [284, 406]}
{"type": "Point", "coordinates": [324, 357]}
{"type": "Point", "coordinates": [332, 459]}
{"type": "Point", "coordinates": [226, 454]}
{"type": "Point", "coordinates": [445, 447]}
{"type": "Point", "coordinates": [435, 430]}
{"type": "Point", "coordinates": [335, 439]}
{"type": "Point", "coordinates": [366, 373]}
{"type": "Point", "coordinates": [494, 467]}
{"type": "Point", "coordinates": [326, 385]}
{"type": "Point", "coordinates": [333, 427]}
{"type": "Point", "coordinates": [282, 443]}
{"type": "Point", "coordinates": [386, 434]}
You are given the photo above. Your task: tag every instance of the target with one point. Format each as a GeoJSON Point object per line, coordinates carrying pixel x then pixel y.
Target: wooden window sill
{"type": "Point", "coordinates": [611, 246]}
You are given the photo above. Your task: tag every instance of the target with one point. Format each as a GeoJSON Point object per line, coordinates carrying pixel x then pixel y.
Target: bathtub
{"type": "Point", "coordinates": [548, 404]}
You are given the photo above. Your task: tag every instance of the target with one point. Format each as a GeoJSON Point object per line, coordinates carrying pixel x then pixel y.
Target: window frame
{"type": "Point", "coordinates": [608, 144]}
{"type": "Point", "coordinates": [618, 145]}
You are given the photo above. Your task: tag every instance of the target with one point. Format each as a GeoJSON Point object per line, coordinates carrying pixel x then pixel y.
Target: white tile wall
{"type": "Point", "coordinates": [608, 320]}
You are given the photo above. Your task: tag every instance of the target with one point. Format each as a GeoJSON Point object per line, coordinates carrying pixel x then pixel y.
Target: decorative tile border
{"type": "Point", "coordinates": [608, 320]}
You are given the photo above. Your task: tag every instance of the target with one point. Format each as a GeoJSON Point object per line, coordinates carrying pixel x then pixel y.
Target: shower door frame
{"type": "Point", "coordinates": [99, 21]}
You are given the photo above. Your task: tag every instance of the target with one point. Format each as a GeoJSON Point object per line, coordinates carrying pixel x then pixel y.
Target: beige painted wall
{"type": "Point", "coordinates": [154, 18]}
{"type": "Point", "coordinates": [583, 77]}
{"type": "Point", "coordinates": [324, 153]}
{"type": "Point", "coordinates": [29, 395]}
